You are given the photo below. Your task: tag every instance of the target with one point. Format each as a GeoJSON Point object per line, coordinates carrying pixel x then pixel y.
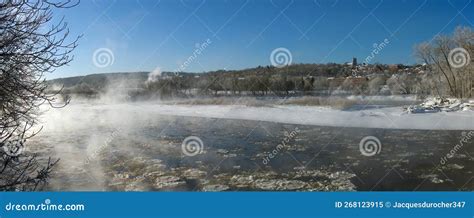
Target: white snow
{"type": "Point", "coordinates": [433, 105]}
{"type": "Point", "coordinates": [389, 117]}
{"type": "Point", "coordinates": [392, 118]}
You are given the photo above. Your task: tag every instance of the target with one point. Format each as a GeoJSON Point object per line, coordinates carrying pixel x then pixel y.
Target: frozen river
{"type": "Point", "coordinates": [139, 148]}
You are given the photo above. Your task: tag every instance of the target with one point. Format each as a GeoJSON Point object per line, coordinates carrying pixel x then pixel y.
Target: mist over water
{"type": "Point", "coordinates": [111, 144]}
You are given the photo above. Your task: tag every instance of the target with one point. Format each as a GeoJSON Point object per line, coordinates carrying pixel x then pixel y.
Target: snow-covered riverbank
{"type": "Point", "coordinates": [370, 116]}
{"type": "Point", "coordinates": [392, 118]}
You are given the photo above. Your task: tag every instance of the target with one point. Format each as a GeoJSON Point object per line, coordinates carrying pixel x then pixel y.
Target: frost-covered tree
{"type": "Point", "coordinates": [31, 45]}
{"type": "Point", "coordinates": [449, 59]}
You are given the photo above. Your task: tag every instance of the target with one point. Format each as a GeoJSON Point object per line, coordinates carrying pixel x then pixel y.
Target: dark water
{"type": "Point", "coordinates": [233, 155]}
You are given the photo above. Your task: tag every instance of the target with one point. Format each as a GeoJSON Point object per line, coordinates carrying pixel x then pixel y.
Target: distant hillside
{"type": "Point", "coordinates": [261, 79]}
{"type": "Point", "coordinates": [99, 80]}
{"type": "Point", "coordinates": [104, 79]}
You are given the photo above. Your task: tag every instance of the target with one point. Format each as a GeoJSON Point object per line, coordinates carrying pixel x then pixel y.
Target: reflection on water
{"type": "Point", "coordinates": [111, 148]}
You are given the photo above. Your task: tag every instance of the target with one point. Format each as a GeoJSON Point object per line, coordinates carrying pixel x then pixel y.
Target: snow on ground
{"type": "Point", "coordinates": [385, 117]}
{"type": "Point", "coordinates": [392, 118]}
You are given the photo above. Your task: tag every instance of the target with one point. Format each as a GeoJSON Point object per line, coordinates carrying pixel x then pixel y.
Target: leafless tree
{"type": "Point", "coordinates": [31, 45]}
{"type": "Point", "coordinates": [455, 70]}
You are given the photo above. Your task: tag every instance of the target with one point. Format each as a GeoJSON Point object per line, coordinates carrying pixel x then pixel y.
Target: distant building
{"type": "Point", "coordinates": [354, 62]}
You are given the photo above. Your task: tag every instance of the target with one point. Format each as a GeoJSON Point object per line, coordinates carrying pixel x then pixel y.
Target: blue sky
{"type": "Point", "coordinates": [144, 35]}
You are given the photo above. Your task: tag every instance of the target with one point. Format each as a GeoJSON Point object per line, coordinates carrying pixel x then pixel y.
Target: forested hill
{"type": "Point", "coordinates": [325, 70]}
{"type": "Point", "coordinates": [259, 80]}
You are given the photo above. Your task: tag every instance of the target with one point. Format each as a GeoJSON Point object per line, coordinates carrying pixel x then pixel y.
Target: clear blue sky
{"type": "Point", "coordinates": [145, 35]}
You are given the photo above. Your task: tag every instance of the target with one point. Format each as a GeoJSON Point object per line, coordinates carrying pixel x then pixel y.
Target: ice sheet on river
{"type": "Point", "coordinates": [389, 118]}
